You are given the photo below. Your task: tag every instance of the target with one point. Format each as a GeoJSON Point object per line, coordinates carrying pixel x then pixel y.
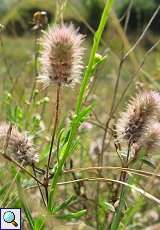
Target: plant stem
{"type": "Point", "coordinates": [21, 167]}
{"type": "Point", "coordinates": [118, 214]}
{"type": "Point", "coordinates": [75, 124]}
{"type": "Point", "coordinates": [117, 217]}
{"type": "Point", "coordinates": [39, 187]}
{"type": "Point", "coordinates": [31, 99]}
{"type": "Point", "coordinates": [53, 137]}
{"type": "Point", "coordinates": [96, 41]}
{"type": "Point", "coordinates": [60, 166]}
{"type": "Point", "coordinates": [37, 34]}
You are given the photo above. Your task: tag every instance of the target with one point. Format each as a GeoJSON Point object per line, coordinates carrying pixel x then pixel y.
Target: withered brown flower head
{"type": "Point", "coordinates": [141, 111]}
{"type": "Point", "coordinates": [61, 56]}
{"type": "Point", "coordinates": [20, 147]}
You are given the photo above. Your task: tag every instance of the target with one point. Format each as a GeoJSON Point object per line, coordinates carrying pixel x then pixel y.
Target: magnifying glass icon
{"type": "Point", "coordinates": [9, 217]}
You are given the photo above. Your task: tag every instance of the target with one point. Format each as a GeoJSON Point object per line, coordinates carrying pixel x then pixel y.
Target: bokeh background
{"type": "Point", "coordinates": [17, 78]}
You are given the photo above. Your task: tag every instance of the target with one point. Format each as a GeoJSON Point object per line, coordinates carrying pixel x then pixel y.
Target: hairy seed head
{"type": "Point", "coordinates": [151, 138]}
{"type": "Point", "coordinates": [19, 147]}
{"type": "Point", "coordinates": [142, 110]}
{"type": "Point", "coordinates": [61, 56]}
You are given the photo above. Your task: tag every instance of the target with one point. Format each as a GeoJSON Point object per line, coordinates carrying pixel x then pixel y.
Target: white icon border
{"type": "Point", "coordinates": [12, 210]}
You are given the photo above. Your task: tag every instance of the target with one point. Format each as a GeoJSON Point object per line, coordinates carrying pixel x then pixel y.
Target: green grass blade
{"type": "Point", "coordinates": [24, 205]}
{"type": "Point", "coordinates": [76, 123]}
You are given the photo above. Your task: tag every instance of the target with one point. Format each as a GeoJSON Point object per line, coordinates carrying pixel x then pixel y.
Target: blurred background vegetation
{"type": "Point", "coordinates": [16, 15]}
{"type": "Point", "coordinates": [17, 72]}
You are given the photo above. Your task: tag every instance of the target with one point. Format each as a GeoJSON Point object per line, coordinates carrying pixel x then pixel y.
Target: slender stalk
{"type": "Point", "coordinates": [42, 113]}
{"type": "Point", "coordinates": [87, 75]}
{"type": "Point", "coordinates": [127, 185]}
{"type": "Point", "coordinates": [123, 58]}
{"type": "Point", "coordinates": [31, 97]}
{"type": "Point", "coordinates": [39, 187]}
{"type": "Point", "coordinates": [129, 170]}
{"type": "Point", "coordinates": [37, 33]}
{"type": "Point", "coordinates": [96, 41]}
{"type": "Point", "coordinates": [143, 34]}
{"type": "Point", "coordinates": [21, 167]}
{"type": "Point", "coordinates": [118, 214]}
{"type": "Point", "coordinates": [107, 180]}
{"type": "Point", "coordinates": [53, 136]}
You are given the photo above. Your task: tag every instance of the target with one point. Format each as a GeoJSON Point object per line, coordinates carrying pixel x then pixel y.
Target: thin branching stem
{"type": "Point", "coordinates": [112, 111]}
{"type": "Point", "coordinates": [37, 34]}
{"type": "Point", "coordinates": [143, 33]}
{"type": "Point", "coordinates": [118, 214]}
{"type": "Point", "coordinates": [39, 187]}
{"type": "Point", "coordinates": [142, 172]}
{"type": "Point", "coordinates": [103, 179]}
{"type": "Point", "coordinates": [21, 167]}
{"type": "Point", "coordinates": [135, 75]}
{"type": "Point", "coordinates": [56, 114]}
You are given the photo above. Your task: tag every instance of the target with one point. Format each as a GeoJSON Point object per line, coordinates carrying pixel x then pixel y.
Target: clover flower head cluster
{"type": "Point", "coordinates": [61, 56]}
{"type": "Point", "coordinates": [20, 146]}
{"type": "Point", "coordinates": [139, 125]}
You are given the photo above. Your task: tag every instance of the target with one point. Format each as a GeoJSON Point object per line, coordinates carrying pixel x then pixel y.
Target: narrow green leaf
{"type": "Point", "coordinates": [64, 204]}
{"type": "Point", "coordinates": [24, 205]}
{"type": "Point", "coordinates": [108, 206]}
{"type": "Point", "coordinates": [72, 215]}
{"type": "Point", "coordinates": [131, 211]}
{"type": "Point", "coordinates": [149, 162]}
{"type": "Point", "coordinates": [4, 188]}
{"type": "Point", "coordinates": [28, 215]}
{"type": "Point", "coordinates": [39, 224]}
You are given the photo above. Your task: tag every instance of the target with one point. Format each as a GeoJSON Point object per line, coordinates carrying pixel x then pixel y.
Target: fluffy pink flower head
{"type": "Point", "coordinates": [20, 147]}
{"type": "Point", "coordinates": [61, 56]}
{"type": "Point", "coordinates": [142, 110]}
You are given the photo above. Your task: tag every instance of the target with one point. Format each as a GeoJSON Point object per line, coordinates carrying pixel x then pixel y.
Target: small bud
{"type": "Point", "coordinates": [2, 27]}
{"type": "Point", "coordinates": [40, 20]}
{"type": "Point", "coordinates": [98, 58]}
{"type": "Point", "coordinates": [46, 99]}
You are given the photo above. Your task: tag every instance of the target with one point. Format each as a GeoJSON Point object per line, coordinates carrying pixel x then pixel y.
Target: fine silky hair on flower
{"type": "Point", "coordinates": [137, 123]}
{"type": "Point", "coordinates": [20, 146]}
{"type": "Point", "coordinates": [61, 55]}
{"type": "Point", "coordinates": [151, 139]}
